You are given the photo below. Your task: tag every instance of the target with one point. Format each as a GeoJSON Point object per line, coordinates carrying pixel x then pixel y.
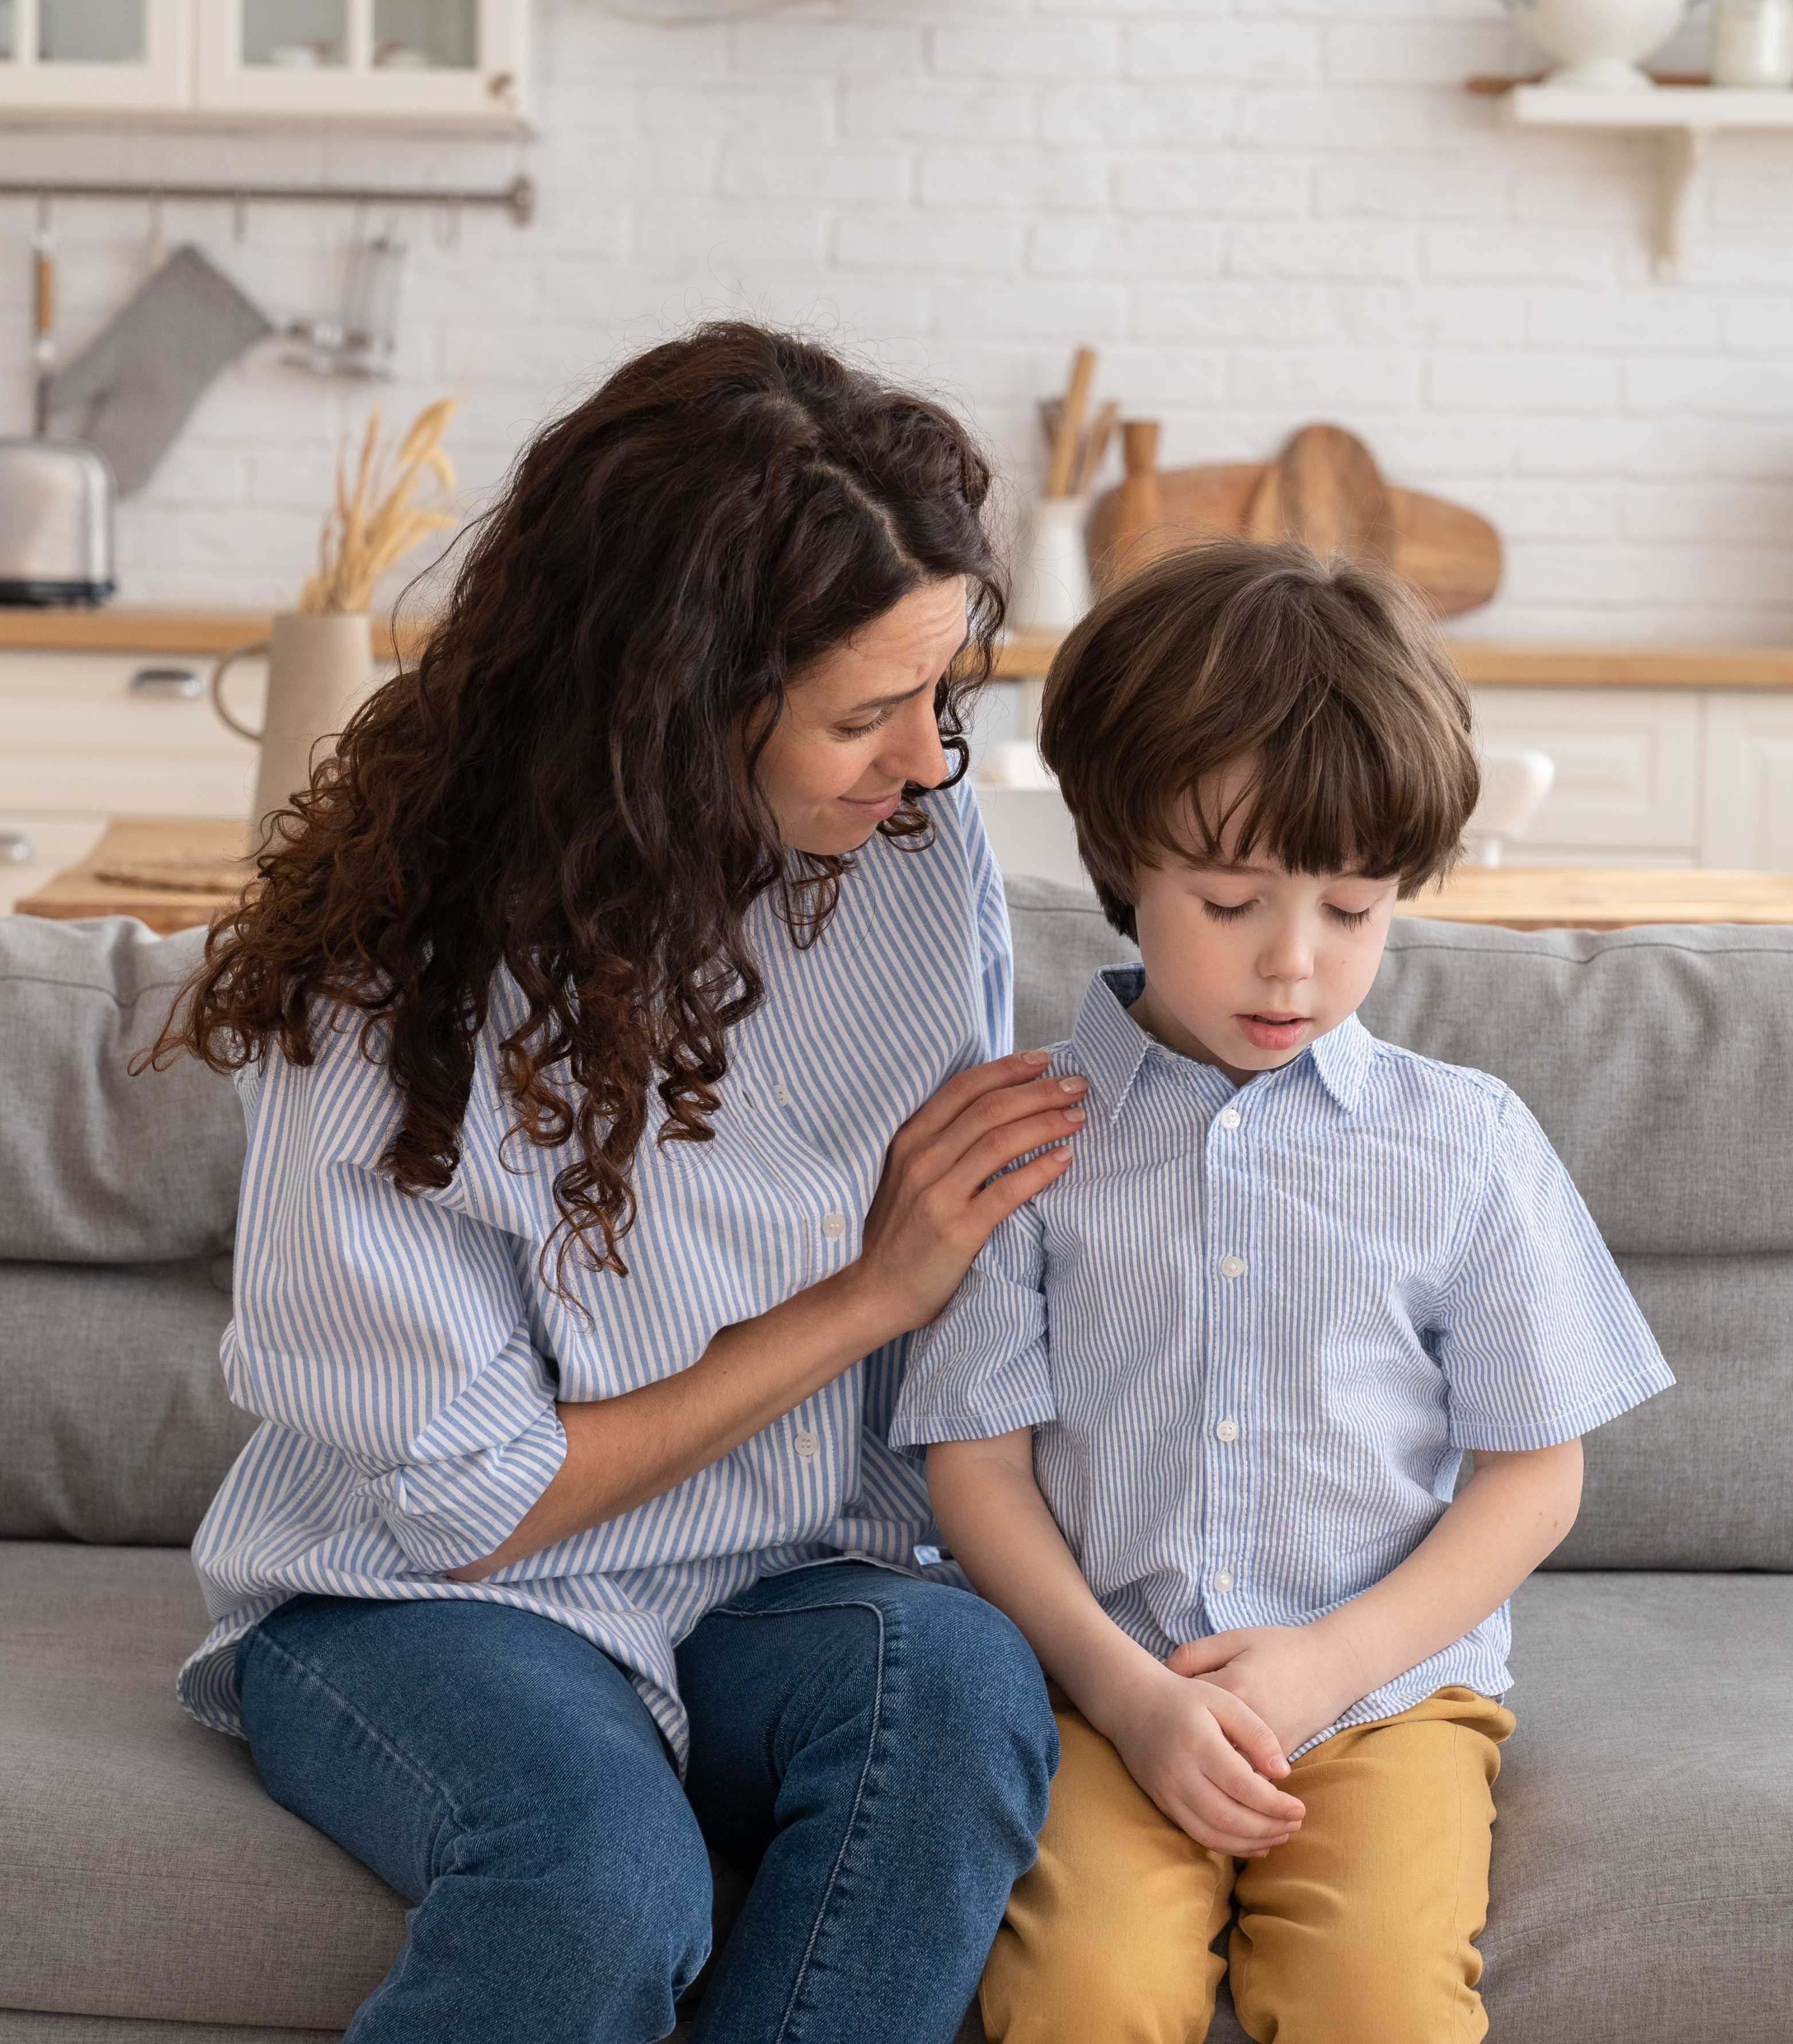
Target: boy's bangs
{"type": "Point", "coordinates": [1333, 794]}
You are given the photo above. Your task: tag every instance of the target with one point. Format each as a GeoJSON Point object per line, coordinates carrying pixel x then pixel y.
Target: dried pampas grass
{"type": "Point", "coordinates": [377, 524]}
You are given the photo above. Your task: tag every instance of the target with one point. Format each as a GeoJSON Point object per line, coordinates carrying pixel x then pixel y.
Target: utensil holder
{"type": "Point", "coordinates": [1052, 580]}
{"type": "Point", "coordinates": [320, 669]}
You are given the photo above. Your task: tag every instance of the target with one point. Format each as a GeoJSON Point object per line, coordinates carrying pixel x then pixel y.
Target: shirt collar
{"type": "Point", "coordinates": [1108, 1046]}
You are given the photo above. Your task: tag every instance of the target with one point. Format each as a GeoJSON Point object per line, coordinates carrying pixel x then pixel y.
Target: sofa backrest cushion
{"type": "Point", "coordinates": [97, 1167]}
{"type": "Point", "coordinates": [115, 1422]}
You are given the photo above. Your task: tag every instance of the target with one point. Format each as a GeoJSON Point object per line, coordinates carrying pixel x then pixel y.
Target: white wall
{"type": "Point", "coordinates": [1262, 211]}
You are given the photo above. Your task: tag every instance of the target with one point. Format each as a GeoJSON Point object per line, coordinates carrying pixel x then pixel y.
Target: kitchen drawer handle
{"type": "Point", "coordinates": [16, 848]}
{"type": "Point", "coordinates": [168, 684]}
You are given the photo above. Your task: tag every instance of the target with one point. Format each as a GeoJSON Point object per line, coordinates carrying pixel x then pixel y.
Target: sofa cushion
{"type": "Point", "coordinates": [114, 1422]}
{"type": "Point", "coordinates": [97, 1167]}
{"type": "Point", "coordinates": [1641, 1855]}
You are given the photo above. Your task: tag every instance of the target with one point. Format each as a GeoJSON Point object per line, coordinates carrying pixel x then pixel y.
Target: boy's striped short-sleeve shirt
{"type": "Point", "coordinates": [1255, 1329]}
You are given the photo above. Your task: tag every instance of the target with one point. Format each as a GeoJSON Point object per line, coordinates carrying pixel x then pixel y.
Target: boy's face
{"type": "Point", "coordinates": [1246, 963]}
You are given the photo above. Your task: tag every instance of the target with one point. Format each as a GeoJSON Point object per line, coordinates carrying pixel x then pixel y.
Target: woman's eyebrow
{"type": "Point", "coordinates": [888, 702]}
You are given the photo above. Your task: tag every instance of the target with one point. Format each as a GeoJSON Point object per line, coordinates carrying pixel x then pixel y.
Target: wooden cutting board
{"type": "Point", "coordinates": [1324, 488]}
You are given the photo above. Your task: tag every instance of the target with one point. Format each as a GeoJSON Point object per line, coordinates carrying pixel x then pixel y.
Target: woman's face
{"type": "Point", "coordinates": [859, 724]}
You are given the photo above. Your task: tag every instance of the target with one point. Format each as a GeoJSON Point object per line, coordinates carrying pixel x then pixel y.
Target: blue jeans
{"type": "Point", "coordinates": [878, 1748]}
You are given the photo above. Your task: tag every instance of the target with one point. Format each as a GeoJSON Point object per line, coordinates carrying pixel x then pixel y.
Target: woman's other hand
{"type": "Point", "coordinates": [946, 1183]}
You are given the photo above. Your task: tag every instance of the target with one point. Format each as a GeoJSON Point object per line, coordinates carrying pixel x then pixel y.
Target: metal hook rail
{"type": "Point", "coordinates": [517, 199]}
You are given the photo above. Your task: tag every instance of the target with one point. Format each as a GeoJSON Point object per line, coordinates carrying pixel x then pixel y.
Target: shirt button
{"type": "Point", "coordinates": [1223, 1580]}
{"type": "Point", "coordinates": [833, 1224]}
{"type": "Point", "coordinates": [1232, 1266]}
{"type": "Point", "coordinates": [781, 1095]}
{"type": "Point", "coordinates": [806, 1445]}
{"type": "Point", "coordinates": [1227, 1430]}
{"type": "Point", "coordinates": [1228, 1117]}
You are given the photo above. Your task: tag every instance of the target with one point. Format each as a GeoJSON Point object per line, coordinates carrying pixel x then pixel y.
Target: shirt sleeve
{"type": "Point", "coordinates": [1539, 1338]}
{"type": "Point", "coordinates": [980, 1368]}
{"type": "Point", "coordinates": [389, 1327]}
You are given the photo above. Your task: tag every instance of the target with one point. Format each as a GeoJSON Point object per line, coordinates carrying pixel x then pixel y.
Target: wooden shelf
{"type": "Point", "coordinates": [123, 628]}
{"type": "Point", "coordinates": [1542, 664]}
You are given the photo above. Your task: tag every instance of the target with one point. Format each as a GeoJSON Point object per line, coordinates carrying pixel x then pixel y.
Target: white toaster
{"type": "Point", "coordinates": [55, 523]}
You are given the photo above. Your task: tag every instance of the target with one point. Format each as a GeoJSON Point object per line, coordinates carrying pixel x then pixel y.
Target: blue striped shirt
{"type": "Point", "coordinates": [404, 1353]}
{"type": "Point", "coordinates": [1255, 1329]}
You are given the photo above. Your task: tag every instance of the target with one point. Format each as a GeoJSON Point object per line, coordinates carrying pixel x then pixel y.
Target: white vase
{"type": "Point", "coordinates": [320, 668]}
{"type": "Point", "coordinates": [1597, 43]}
{"type": "Point", "coordinates": [1052, 580]}
{"type": "Point", "coordinates": [1752, 44]}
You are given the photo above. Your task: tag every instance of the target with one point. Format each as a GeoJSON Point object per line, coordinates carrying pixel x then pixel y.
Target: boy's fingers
{"type": "Point", "coordinates": [1201, 1656]}
{"type": "Point", "coordinates": [1229, 1772]}
{"type": "Point", "coordinates": [1249, 1733]}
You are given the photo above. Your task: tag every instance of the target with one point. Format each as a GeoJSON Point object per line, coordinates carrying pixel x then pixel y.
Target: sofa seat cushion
{"type": "Point", "coordinates": [1643, 1858]}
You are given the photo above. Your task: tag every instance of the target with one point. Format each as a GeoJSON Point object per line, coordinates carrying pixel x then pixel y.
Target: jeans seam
{"type": "Point", "coordinates": [380, 1739]}
{"type": "Point", "coordinates": [784, 2031]}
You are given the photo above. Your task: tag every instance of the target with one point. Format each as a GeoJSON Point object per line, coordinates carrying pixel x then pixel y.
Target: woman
{"type": "Point", "coordinates": [619, 1024]}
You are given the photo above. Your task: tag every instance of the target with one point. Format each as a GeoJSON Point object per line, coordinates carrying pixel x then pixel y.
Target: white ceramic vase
{"type": "Point", "coordinates": [1597, 43]}
{"type": "Point", "coordinates": [320, 668]}
{"type": "Point", "coordinates": [1752, 44]}
{"type": "Point", "coordinates": [1051, 579]}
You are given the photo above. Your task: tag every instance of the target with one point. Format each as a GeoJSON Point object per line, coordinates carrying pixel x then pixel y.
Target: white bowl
{"type": "Point", "coordinates": [1597, 43]}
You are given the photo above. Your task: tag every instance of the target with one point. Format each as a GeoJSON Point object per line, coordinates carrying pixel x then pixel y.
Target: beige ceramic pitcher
{"type": "Point", "coordinates": [320, 668]}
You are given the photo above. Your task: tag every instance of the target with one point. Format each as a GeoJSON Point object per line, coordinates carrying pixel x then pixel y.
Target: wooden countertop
{"type": "Point", "coordinates": [127, 628]}
{"type": "Point", "coordinates": [1522, 897]}
{"type": "Point", "coordinates": [1485, 662]}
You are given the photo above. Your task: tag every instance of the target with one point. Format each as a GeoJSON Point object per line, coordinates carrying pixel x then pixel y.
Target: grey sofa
{"type": "Point", "coordinates": [1643, 1879]}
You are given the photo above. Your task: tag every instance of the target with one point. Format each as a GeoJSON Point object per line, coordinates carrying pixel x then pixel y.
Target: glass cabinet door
{"type": "Point", "coordinates": [459, 62]}
{"type": "Point", "coordinates": [80, 56]}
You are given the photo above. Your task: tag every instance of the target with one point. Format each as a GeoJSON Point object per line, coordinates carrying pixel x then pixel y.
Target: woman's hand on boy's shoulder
{"type": "Point", "coordinates": [1290, 1675]}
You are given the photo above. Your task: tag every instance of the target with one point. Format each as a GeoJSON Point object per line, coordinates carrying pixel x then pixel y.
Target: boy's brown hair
{"type": "Point", "coordinates": [1329, 677]}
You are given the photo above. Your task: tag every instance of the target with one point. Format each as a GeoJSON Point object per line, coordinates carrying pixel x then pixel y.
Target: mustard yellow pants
{"type": "Point", "coordinates": [1360, 1929]}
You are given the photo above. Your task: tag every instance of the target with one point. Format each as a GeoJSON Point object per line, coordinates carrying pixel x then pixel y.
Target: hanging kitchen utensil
{"type": "Point", "coordinates": [1320, 489]}
{"type": "Point", "coordinates": [43, 318]}
{"type": "Point", "coordinates": [133, 385]}
{"type": "Point", "coordinates": [362, 342]}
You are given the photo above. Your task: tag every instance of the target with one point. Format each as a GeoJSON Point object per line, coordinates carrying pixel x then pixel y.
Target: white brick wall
{"type": "Point", "coordinates": [1262, 211]}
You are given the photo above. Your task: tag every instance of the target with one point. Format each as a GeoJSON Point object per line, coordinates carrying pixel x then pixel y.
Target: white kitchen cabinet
{"type": "Point", "coordinates": [86, 736]}
{"type": "Point", "coordinates": [1749, 780]}
{"type": "Point", "coordinates": [461, 60]}
{"type": "Point", "coordinates": [1683, 776]}
{"type": "Point", "coordinates": [98, 56]}
{"type": "Point", "coordinates": [1628, 787]}
{"type": "Point", "coordinates": [422, 63]}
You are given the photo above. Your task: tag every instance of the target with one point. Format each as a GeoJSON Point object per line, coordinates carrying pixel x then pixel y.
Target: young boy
{"type": "Point", "coordinates": [1197, 1413]}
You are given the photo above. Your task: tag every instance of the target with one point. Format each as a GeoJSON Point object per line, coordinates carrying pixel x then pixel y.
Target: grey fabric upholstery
{"type": "Point", "coordinates": [96, 1166]}
{"type": "Point", "coordinates": [1641, 1865]}
{"type": "Point", "coordinates": [139, 1344]}
{"type": "Point", "coordinates": [1643, 1878]}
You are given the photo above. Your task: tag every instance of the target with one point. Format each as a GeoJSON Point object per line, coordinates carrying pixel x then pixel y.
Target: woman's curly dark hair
{"type": "Point", "coordinates": [564, 784]}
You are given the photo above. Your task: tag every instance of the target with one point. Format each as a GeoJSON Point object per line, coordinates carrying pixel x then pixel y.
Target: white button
{"type": "Point", "coordinates": [833, 1224]}
{"type": "Point", "coordinates": [781, 1095]}
{"type": "Point", "coordinates": [1223, 1580]}
{"type": "Point", "coordinates": [1228, 1117]}
{"type": "Point", "coordinates": [1232, 1266]}
{"type": "Point", "coordinates": [1227, 1430]}
{"type": "Point", "coordinates": [806, 1445]}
